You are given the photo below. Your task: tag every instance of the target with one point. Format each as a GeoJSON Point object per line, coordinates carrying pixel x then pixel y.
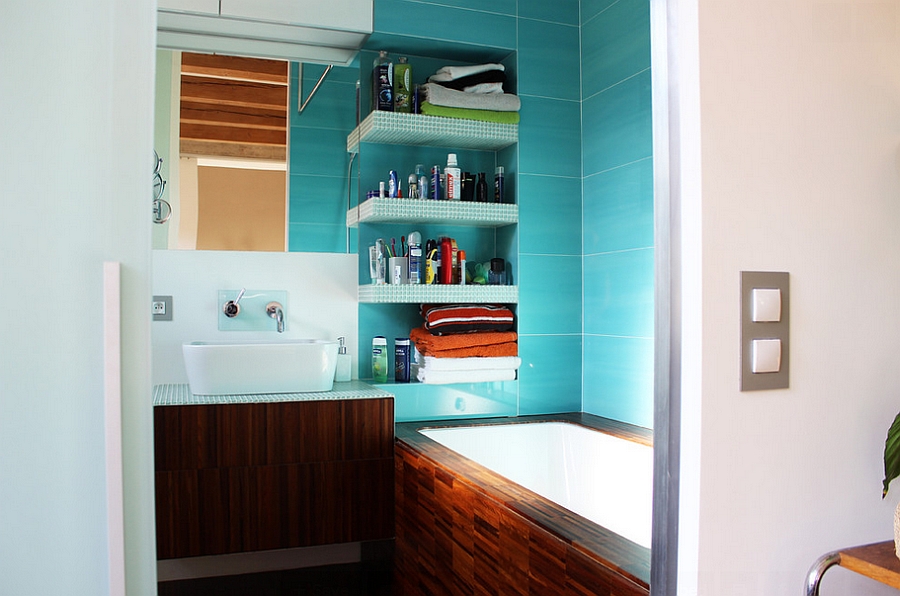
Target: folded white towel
{"type": "Point", "coordinates": [444, 377]}
{"type": "Point", "coordinates": [468, 364]}
{"type": "Point", "coordinates": [485, 88]}
{"type": "Point", "coordinates": [450, 98]}
{"type": "Point", "coordinates": [451, 73]}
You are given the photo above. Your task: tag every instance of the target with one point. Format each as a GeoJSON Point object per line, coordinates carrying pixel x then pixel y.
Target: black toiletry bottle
{"type": "Point", "coordinates": [481, 189]}
{"type": "Point", "coordinates": [383, 83]}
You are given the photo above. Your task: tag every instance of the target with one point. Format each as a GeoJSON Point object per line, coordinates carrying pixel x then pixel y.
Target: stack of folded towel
{"type": "Point", "coordinates": [471, 92]}
{"type": "Point", "coordinates": [467, 343]}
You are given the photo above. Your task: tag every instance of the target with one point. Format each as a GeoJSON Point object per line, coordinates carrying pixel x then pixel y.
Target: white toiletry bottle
{"type": "Point", "coordinates": [452, 171]}
{"type": "Point", "coordinates": [342, 370]}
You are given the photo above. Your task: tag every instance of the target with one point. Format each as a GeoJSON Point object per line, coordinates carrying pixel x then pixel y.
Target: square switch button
{"type": "Point", "coordinates": [765, 355]}
{"type": "Point", "coordinates": [765, 305]}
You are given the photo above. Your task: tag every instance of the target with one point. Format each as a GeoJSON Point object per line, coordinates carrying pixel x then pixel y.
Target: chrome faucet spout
{"type": "Point", "coordinates": [276, 311]}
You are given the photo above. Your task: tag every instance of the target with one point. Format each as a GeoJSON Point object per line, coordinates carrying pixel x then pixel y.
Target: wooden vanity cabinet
{"type": "Point", "coordinates": [246, 477]}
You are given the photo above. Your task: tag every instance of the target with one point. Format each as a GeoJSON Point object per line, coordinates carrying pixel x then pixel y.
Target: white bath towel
{"type": "Point", "coordinates": [467, 364]}
{"type": "Point", "coordinates": [451, 73]}
{"type": "Point", "coordinates": [450, 98]}
{"type": "Point", "coordinates": [485, 88]}
{"type": "Point", "coordinates": [444, 377]}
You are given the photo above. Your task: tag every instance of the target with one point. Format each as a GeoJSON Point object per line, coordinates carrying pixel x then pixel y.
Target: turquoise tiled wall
{"type": "Point", "coordinates": [618, 210]}
{"type": "Point", "coordinates": [582, 172]}
{"type": "Point", "coordinates": [317, 210]}
{"type": "Point", "coordinates": [549, 180]}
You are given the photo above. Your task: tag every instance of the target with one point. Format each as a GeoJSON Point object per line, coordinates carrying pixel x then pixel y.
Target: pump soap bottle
{"type": "Point", "coordinates": [342, 370]}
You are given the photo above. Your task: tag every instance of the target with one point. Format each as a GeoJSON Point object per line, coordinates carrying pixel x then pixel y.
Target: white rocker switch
{"type": "Point", "coordinates": [765, 356]}
{"type": "Point", "coordinates": [765, 305]}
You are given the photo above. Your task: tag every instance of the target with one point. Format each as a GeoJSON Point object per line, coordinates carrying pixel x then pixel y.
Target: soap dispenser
{"type": "Point", "coordinates": [342, 370]}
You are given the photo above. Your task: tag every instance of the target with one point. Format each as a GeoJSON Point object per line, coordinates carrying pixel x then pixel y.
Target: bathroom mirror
{"type": "Point", "coordinates": [243, 169]}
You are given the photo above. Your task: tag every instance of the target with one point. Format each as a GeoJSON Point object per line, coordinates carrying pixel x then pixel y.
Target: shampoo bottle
{"type": "Point", "coordinates": [342, 370]}
{"type": "Point", "coordinates": [379, 359]}
{"type": "Point", "coordinates": [383, 83]}
{"type": "Point", "coordinates": [402, 86]}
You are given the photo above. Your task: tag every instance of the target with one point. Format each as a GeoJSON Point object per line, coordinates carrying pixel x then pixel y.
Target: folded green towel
{"type": "Point", "coordinates": [467, 114]}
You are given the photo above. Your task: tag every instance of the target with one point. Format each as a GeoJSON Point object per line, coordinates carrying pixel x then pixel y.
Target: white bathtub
{"type": "Point", "coordinates": [605, 479]}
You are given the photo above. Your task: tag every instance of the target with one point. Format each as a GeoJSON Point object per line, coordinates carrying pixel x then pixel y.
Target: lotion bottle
{"type": "Point", "coordinates": [342, 370]}
{"type": "Point", "coordinates": [379, 359]}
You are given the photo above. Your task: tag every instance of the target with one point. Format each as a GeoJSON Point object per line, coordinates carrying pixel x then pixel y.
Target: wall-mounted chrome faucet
{"type": "Point", "coordinates": [276, 311]}
{"type": "Point", "coordinates": [232, 308]}
{"type": "Point", "coordinates": [249, 309]}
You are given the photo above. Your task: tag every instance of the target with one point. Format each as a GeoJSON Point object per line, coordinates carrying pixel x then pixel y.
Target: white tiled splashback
{"type": "Point", "coordinates": [321, 304]}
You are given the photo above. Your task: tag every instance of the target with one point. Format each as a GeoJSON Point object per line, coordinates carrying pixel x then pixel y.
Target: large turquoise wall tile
{"type": "Point", "coordinates": [550, 375]}
{"type": "Point", "coordinates": [317, 164]}
{"type": "Point", "coordinates": [319, 151]}
{"type": "Point", "coordinates": [549, 215]}
{"type": "Point", "coordinates": [591, 8]}
{"type": "Point", "coordinates": [318, 199]}
{"type": "Point", "coordinates": [303, 237]}
{"type": "Point", "coordinates": [442, 22]}
{"type": "Point", "coordinates": [618, 378]}
{"type": "Point", "coordinates": [618, 293]}
{"type": "Point", "coordinates": [561, 11]}
{"type": "Point", "coordinates": [615, 45]}
{"type": "Point", "coordinates": [617, 125]}
{"type": "Point", "coordinates": [549, 294]}
{"type": "Point", "coordinates": [549, 137]}
{"type": "Point", "coordinates": [548, 60]}
{"type": "Point", "coordinates": [618, 208]}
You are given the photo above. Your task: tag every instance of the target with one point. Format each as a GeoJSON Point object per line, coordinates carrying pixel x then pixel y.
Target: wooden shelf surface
{"type": "Point", "coordinates": [877, 561]}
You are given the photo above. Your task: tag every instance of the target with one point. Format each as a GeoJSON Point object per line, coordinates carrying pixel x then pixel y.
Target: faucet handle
{"type": "Point", "coordinates": [232, 308]}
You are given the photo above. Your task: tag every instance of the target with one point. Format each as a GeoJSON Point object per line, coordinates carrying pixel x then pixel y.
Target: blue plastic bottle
{"type": "Point", "coordinates": [436, 191]}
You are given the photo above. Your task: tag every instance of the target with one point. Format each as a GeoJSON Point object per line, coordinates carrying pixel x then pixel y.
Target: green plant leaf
{"type": "Point", "coordinates": [891, 455]}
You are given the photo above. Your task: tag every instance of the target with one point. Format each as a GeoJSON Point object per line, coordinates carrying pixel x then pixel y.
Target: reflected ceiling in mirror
{"type": "Point", "coordinates": [244, 170]}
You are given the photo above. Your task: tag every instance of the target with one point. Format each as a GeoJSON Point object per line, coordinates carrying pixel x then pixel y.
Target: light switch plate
{"type": "Point", "coordinates": [764, 330]}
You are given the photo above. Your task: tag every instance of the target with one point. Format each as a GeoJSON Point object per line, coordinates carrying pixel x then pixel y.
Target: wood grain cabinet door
{"type": "Point", "coordinates": [246, 477]}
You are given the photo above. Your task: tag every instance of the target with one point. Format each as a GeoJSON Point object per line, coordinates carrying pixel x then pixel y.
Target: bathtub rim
{"type": "Point", "coordinates": [607, 548]}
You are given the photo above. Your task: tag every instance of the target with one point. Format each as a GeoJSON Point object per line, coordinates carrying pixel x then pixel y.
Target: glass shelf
{"type": "Point", "coordinates": [378, 210]}
{"type": "Point", "coordinates": [397, 128]}
{"type": "Point", "coordinates": [444, 294]}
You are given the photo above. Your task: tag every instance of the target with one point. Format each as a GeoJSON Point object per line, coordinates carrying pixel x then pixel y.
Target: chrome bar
{"type": "Point", "coordinates": [814, 577]}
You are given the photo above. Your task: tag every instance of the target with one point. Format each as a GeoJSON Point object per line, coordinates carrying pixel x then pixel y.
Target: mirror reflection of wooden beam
{"type": "Point", "coordinates": [234, 106]}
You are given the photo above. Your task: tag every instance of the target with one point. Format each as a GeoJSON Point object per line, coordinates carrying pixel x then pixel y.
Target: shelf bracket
{"type": "Point", "coordinates": [301, 104]}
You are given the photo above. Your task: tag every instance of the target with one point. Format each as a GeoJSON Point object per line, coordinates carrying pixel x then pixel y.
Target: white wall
{"type": "Point", "coordinates": [321, 287]}
{"type": "Point", "coordinates": [76, 86]}
{"type": "Point", "coordinates": [800, 135]}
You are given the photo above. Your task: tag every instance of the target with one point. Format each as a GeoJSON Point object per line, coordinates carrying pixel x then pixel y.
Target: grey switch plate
{"type": "Point", "coordinates": [162, 308]}
{"type": "Point", "coordinates": [774, 330]}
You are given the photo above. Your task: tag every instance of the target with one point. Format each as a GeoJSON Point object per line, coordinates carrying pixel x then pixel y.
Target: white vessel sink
{"type": "Point", "coordinates": [241, 368]}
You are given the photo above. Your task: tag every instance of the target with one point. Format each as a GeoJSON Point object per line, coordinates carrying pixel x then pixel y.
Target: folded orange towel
{"type": "Point", "coordinates": [493, 351]}
{"type": "Point", "coordinates": [438, 343]}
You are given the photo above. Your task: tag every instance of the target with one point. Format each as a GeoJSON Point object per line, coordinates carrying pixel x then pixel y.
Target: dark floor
{"type": "Point", "coordinates": [370, 578]}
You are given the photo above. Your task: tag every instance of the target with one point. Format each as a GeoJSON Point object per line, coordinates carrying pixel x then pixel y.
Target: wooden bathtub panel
{"type": "Point", "coordinates": [451, 540]}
